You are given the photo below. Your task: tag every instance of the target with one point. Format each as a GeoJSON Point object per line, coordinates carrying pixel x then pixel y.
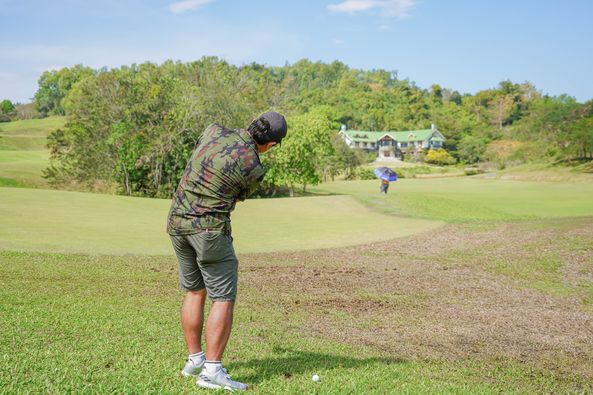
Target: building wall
{"type": "Point", "coordinates": [394, 148]}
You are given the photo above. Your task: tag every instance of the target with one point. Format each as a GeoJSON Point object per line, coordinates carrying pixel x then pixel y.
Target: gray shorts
{"type": "Point", "coordinates": [207, 260]}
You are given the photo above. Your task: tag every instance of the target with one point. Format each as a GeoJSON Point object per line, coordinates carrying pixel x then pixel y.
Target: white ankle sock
{"type": "Point", "coordinates": [213, 366]}
{"type": "Point", "coordinates": [196, 358]}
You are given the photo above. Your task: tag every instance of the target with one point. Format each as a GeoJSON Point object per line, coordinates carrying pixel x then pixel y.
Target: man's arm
{"type": "Point", "coordinates": [252, 182]}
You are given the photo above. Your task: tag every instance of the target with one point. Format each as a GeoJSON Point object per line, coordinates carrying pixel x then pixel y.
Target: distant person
{"type": "Point", "coordinates": [224, 167]}
{"type": "Point", "coordinates": [384, 186]}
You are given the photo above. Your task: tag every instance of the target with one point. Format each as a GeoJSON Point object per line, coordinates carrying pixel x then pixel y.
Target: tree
{"type": "Point", "coordinates": [471, 149]}
{"type": "Point", "coordinates": [54, 85]}
{"type": "Point", "coordinates": [6, 107]}
{"type": "Point", "coordinates": [133, 128]}
{"type": "Point", "coordinates": [304, 150]}
{"type": "Point", "coordinates": [582, 138]}
{"type": "Point", "coordinates": [26, 111]}
{"type": "Point", "coordinates": [547, 126]}
{"type": "Point", "coordinates": [501, 109]}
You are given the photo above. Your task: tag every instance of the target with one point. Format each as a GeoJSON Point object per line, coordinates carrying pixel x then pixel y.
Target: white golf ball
{"type": "Point", "coordinates": [315, 378]}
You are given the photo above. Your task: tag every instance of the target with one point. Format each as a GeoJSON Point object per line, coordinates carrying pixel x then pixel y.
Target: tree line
{"type": "Point", "coordinates": [135, 126]}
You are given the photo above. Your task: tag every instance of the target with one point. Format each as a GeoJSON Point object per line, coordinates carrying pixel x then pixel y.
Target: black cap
{"type": "Point", "coordinates": [277, 126]}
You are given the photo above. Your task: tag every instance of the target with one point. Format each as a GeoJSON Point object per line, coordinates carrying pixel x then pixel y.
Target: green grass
{"type": "Point", "coordinates": [471, 199]}
{"type": "Point", "coordinates": [77, 324]}
{"type": "Point", "coordinates": [546, 172]}
{"type": "Point", "coordinates": [36, 127]}
{"type": "Point", "coordinates": [22, 143]}
{"type": "Point", "coordinates": [44, 220]}
{"type": "Point", "coordinates": [28, 134]}
{"type": "Point", "coordinates": [23, 168]}
{"type": "Point", "coordinates": [23, 151]}
{"type": "Point", "coordinates": [89, 298]}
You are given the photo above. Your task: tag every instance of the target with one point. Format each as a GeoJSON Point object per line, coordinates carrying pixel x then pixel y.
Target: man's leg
{"type": "Point", "coordinates": [219, 267]}
{"type": "Point", "coordinates": [218, 329]}
{"type": "Point", "coordinates": [192, 319]}
{"type": "Point", "coordinates": [192, 309]}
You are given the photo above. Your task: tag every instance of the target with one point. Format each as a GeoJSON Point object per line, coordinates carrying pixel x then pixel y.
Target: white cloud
{"type": "Point", "coordinates": [388, 8]}
{"type": "Point", "coordinates": [352, 6]}
{"type": "Point", "coordinates": [180, 7]}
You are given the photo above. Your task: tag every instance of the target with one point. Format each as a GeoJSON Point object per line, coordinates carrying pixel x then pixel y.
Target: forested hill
{"type": "Point", "coordinates": [134, 126]}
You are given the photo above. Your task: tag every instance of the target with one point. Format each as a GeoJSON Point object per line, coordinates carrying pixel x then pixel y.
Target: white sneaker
{"type": "Point", "coordinates": [218, 380]}
{"type": "Point", "coordinates": [192, 369]}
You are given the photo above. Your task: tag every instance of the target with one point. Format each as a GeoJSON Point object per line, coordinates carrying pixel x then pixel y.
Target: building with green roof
{"type": "Point", "coordinates": [394, 145]}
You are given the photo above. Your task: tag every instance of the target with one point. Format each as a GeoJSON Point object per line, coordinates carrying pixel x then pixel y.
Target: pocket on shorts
{"type": "Point", "coordinates": [215, 247]}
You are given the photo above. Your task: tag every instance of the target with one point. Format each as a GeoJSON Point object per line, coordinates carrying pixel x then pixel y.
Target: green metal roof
{"type": "Point", "coordinates": [411, 135]}
{"type": "Point", "coordinates": [403, 137]}
{"type": "Point", "coordinates": [363, 136]}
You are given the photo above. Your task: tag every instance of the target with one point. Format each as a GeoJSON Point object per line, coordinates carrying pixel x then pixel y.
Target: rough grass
{"type": "Point", "coordinates": [424, 314]}
{"type": "Point", "coordinates": [545, 172]}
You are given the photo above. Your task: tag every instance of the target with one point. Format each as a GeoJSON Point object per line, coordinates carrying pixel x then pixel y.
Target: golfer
{"type": "Point", "coordinates": [224, 167]}
{"type": "Point", "coordinates": [384, 186]}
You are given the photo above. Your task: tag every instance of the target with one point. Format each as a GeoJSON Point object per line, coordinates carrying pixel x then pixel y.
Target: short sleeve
{"type": "Point", "coordinates": [253, 179]}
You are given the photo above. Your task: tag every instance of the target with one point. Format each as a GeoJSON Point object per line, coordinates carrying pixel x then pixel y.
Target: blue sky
{"type": "Point", "coordinates": [459, 44]}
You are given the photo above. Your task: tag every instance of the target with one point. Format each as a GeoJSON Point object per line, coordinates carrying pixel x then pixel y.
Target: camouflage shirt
{"type": "Point", "coordinates": [224, 167]}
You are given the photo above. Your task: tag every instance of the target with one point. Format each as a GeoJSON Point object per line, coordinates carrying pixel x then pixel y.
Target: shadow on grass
{"type": "Point", "coordinates": [289, 362]}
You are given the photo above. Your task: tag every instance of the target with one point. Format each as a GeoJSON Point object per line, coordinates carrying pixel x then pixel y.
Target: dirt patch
{"type": "Point", "coordinates": [432, 296]}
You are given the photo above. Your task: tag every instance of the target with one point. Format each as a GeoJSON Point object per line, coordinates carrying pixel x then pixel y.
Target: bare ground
{"type": "Point", "coordinates": [495, 290]}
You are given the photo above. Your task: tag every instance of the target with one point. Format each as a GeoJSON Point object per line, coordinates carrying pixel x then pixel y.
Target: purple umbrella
{"type": "Point", "coordinates": [385, 173]}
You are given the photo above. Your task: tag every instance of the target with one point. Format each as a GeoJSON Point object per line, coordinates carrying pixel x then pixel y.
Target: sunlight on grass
{"type": "Point", "coordinates": [24, 167]}
{"type": "Point", "coordinates": [470, 199]}
{"type": "Point", "coordinates": [37, 127]}
{"type": "Point", "coordinates": [42, 220]}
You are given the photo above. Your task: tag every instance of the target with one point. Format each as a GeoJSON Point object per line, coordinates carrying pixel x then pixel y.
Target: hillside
{"type": "Point", "coordinates": [23, 151]}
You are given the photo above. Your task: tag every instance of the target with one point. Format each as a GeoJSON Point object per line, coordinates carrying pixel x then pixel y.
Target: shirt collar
{"type": "Point", "coordinates": [246, 136]}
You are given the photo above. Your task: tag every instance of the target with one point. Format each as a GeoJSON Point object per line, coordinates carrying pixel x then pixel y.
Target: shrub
{"type": "Point", "coordinates": [364, 173]}
{"type": "Point", "coordinates": [472, 171]}
{"type": "Point", "coordinates": [439, 157]}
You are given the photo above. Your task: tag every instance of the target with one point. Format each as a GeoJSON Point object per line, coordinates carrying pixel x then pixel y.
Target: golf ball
{"type": "Point", "coordinates": [315, 378]}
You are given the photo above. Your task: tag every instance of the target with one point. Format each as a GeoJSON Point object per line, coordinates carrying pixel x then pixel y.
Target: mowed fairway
{"type": "Point", "coordinates": [23, 151]}
{"type": "Point", "coordinates": [23, 168]}
{"type": "Point", "coordinates": [463, 199]}
{"type": "Point", "coordinates": [57, 221]}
